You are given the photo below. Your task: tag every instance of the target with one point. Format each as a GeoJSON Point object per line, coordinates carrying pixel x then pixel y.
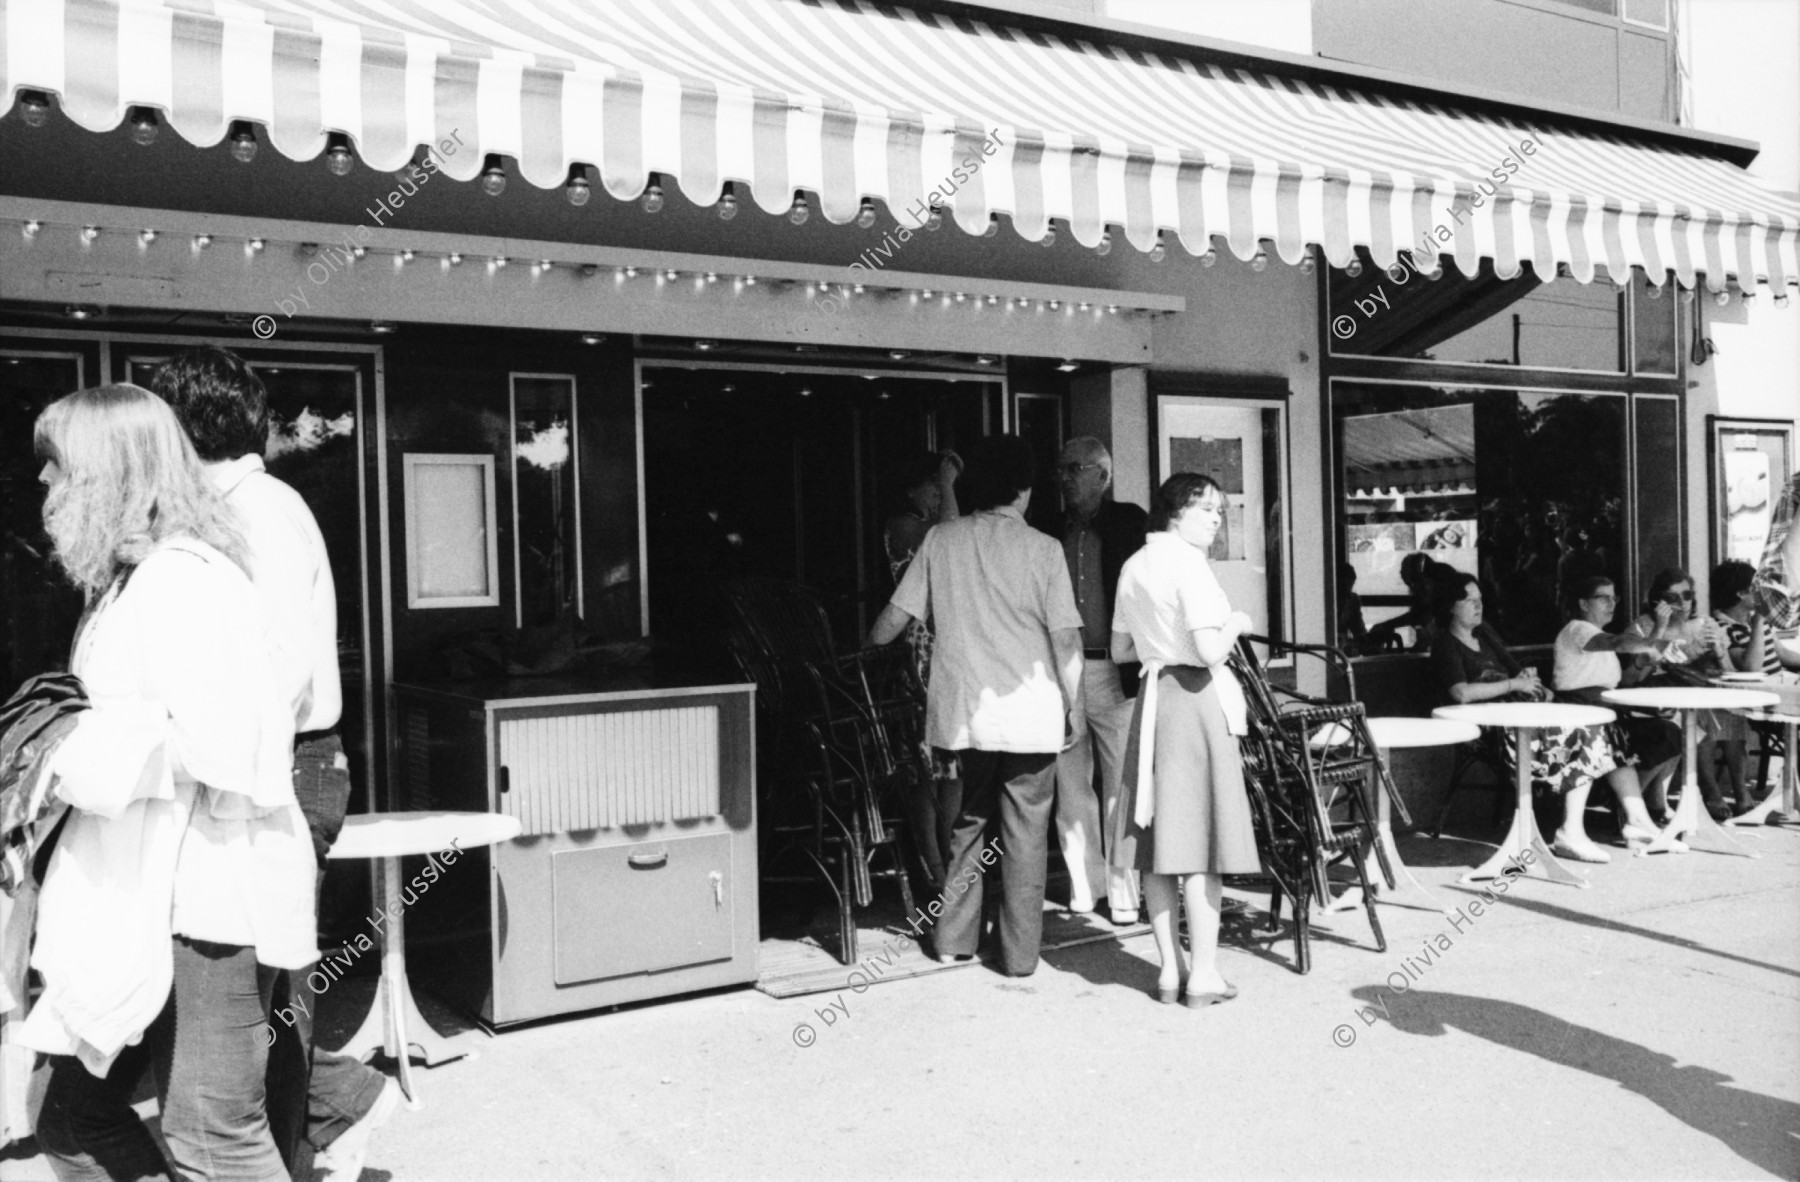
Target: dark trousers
{"type": "Point", "coordinates": [1020, 789]}
{"type": "Point", "coordinates": [314, 1094]}
{"type": "Point", "coordinates": [209, 1048]}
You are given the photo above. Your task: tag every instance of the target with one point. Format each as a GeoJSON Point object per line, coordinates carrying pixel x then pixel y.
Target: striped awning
{"type": "Point", "coordinates": [848, 100]}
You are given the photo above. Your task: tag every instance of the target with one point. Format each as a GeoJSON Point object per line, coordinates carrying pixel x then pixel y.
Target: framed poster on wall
{"type": "Point", "coordinates": [1242, 444]}
{"type": "Point", "coordinates": [1749, 462]}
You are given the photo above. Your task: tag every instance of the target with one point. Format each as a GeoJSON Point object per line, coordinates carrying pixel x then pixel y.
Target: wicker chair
{"type": "Point", "coordinates": [1305, 759]}
{"type": "Point", "coordinates": [837, 745]}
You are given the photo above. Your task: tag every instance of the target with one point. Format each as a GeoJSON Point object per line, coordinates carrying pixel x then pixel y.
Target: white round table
{"type": "Point", "coordinates": [1688, 701]}
{"type": "Point", "coordinates": [394, 1024]}
{"type": "Point", "coordinates": [1782, 804]}
{"type": "Point", "coordinates": [1389, 733]}
{"type": "Point", "coordinates": [1525, 719]}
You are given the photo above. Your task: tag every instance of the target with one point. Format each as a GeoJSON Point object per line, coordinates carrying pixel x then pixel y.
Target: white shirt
{"type": "Point", "coordinates": [1166, 590]}
{"type": "Point", "coordinates": [1576, 668]}
{"type": "Point", "coordinates": [292, 574]}
{"type": "Point", "coordinates": [184, 819]}
{"type": "Point", "coordinates": [994, 590]}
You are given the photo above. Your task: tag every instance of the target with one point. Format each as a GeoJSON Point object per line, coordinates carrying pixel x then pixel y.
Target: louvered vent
{"type": "Point", "coordinates": [603, 771]}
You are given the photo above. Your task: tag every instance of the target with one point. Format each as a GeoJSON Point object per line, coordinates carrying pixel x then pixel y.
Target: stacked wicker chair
{"type": "Point", "coordinates": [1309, 764]}
{"type": "Point", "coordinates": [837, 741]}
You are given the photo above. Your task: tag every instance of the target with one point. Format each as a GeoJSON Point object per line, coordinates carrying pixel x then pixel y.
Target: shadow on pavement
{"type": "Point", "coordinates": [1760, 1129]}
{"type": "Point", "coordinates": [1613, 925]}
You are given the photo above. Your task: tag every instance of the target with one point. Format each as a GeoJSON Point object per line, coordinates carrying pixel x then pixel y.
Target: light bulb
{"type": "Point", "coordinates": [1260, 260]}
{"type": "Point", "coordinates": [406, 256]}
{"type": "Point", "coordinates": [749, 281]}
{"type": "Point", "coordinates": [32, 226]}
{"type": "Point", "coordinates": [799, 211]}
{"type": "Point", "coordinates": [1306, 262]}
{"type": "Point", "coordinates": [1655, 291]}
{"type": "Point", "coordinates": [143, 126]}
{"type": "Point", "coordinates": [243, 141]}
{"type": "Point", "coordinates": [34, 107]}
{"type": "Point", "coordinates": [455, 259]}
{"type": "Point", "coordinates": [934, 219]}
{"type": "Point", "coordinates": [1104, 246]}
{"type": "Point", "coordinates": [255, 245]}
{"type": "Point", "coordinates": [728, 203]}
{"type": "Point", "coordinates": [1781, 299]}
{"type": "Point", "coordinates": [1159, 252]}
{"type": "Point", "coordinates": [866, 215]}
{"type": "Point", "coordinates": [89, 233]}
{"type": "Point", "coordinates": [146, 236]}
{"type": "Point", "coordinates": [493, 176]}
{"type": "Point", "coordinates": [338, 157]}
{"type": "Point", "coordinates": [202, 241]}
{"type": "Point", "coordinates": [1723, 298]}
{"type": "Point", "coordinates": [652, 200]}
{"type": "Point", "coordinates": [1208, 257]}
{"type": "Point", "coordinates": [359, 251]}
{"type": "Point", "coordinates": [1353, 268]}
{"type": "Point", "coordinates": [1049, 238]}
{"type": "Point", "coordinates": [577, 189]}
{"type": "Point", "coordinates": [993, 226]}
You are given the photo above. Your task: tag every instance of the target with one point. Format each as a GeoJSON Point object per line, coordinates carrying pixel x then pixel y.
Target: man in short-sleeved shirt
{"type": "Point", "coordinates": [1005, 683]}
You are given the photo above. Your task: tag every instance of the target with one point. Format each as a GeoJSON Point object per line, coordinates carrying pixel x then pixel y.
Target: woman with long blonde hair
{"type": "Point", "coordinates": [182, 878]}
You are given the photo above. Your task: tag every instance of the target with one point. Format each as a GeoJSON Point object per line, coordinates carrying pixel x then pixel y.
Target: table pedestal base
{"type": "Point", "coordinates": [1523, 835]}
{"type": "Point", "coordinates": [1406, 888]}
{"type": "Point", "coordinates": [1689, 816]}
{"type": "Point", "coordinates": [394, 1025]}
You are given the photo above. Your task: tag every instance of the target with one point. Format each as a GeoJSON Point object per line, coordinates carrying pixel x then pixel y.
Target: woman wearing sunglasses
{"type": "Point", "coordinates": [1700, 650]}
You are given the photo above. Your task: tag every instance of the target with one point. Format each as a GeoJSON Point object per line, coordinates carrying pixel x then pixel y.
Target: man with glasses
{"type": "Point", "coordinates": [1098, 535]}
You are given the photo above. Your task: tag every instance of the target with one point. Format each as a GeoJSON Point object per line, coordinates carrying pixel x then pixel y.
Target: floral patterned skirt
{"type": "Point", "coordinates": [919, 639]}
{"type": "Point", "coordinates": [1570, 757]}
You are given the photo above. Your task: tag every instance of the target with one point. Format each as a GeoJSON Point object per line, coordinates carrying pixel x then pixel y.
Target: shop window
{"type": "Point", "coordinates": [1652, 328]}
{"type": "Point", "coordinates": [1242, 444]}
{"type": "Point", "coordinates": [546, 509]}
{"type": "Point", "coordinates": [452, 556]}
{"type": "Point", "coordinates": [1522, 322]}
{"type": "Point", "coordinates": [1524, 489]}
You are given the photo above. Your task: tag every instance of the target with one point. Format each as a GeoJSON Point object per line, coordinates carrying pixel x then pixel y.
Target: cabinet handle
{"type": "Point", "coordinates": [654, 861]}
{"type": "Point", "coordinates": [505, 779]}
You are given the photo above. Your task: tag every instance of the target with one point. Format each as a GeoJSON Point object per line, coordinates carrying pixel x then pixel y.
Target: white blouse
{"type": "Point", "coordinates": [1167, 590]}
{"type": "Point", "coordinates": [1575, 667]}
{"type": "Point", "coordinates": [184, 820]}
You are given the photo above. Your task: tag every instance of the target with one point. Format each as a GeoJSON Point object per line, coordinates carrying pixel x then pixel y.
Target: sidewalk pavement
{"type": "Point", "coordinates": [1646, 1027]}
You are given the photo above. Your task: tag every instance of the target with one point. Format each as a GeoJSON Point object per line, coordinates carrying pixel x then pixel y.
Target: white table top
{"type": "Point", "coordinates": [391, 835]}
{"type": "Point", "coordinates": [1537, 715]}
{"type": "Point", "coordinates": [1401, 732]}
{"type": "Point", "coordinates": [1773, 716]}
{"type": "Point", "coordinates": [1691, 698]}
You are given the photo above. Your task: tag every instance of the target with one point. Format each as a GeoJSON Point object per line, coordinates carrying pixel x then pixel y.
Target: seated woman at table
{"type": "Point", "coordinates": [1749, 648]}
{"type": "Point", "coordinates": [1472, 665]}
{"type": "Point", "coordinates": [1185, 809]}
{"type": "Point", "coordinates": [1645, 748]}
{"type": "Point", "coordinates": [1699, 652]}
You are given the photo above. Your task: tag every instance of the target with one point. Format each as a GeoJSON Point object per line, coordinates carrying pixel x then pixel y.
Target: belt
{"type": "Point", "coordinates": [310, 736]}
{"type": "Point", "coordinates": [1097, 654]}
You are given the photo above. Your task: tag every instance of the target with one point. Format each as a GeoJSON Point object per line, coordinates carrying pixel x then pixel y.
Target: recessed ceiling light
{"type": "Point", "coordinates": [1069, 366]}
{"type": "Point", "coordinates": [591, 338]}
{"type": "Point", "coordinates": [706, 346]}
{"type": "Point", "coordinates": [899, 354]}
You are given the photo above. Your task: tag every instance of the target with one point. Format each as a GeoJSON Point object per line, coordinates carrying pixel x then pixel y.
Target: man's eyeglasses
{"type": "Point", "coordinates": [1073, 469]}
{"type": "Point", "coordinates": [1603, 599]}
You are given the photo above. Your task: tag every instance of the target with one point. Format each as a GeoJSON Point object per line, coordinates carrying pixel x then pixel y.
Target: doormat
{"type": "Point", "coordinates": [890, 952]}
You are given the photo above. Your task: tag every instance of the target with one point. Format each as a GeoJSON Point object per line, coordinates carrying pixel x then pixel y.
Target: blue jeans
{"type": "Point", "coordinates": [314, 1094]}
{"type": "Point", "coordinates": [209, 1050]}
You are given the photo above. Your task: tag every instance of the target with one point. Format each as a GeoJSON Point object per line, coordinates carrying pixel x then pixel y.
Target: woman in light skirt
{"type": "Point", "coordinates": [1188, 814]}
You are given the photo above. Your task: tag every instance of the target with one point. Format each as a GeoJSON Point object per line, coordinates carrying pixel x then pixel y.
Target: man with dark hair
{"type": "Point", "coordinates": [1097, 536]}
{"type": "Point", "coordinates": [1004, 692]}
{"type": "Point", "coordinates": [316, 1100]}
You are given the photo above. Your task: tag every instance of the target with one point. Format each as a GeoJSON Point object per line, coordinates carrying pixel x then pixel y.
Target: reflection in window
{"type": "Point", "coordinates": [1523, 489]}
{"type": "Point", "coordinates": [546, 539]}
{"type": "Point", "coordinates": [1652, 327]}
{"type": "Point", "coordinates": [1485, 320]}
{"type": "Point", "coordinates": [38, 605]}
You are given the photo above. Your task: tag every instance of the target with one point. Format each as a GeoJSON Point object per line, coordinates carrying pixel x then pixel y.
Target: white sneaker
{"type": "Point", "coordinates": [342, 1160]}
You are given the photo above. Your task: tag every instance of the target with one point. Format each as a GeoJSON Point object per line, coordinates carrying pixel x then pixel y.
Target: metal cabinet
{"type": "Point", "coordinates": [634, 874]}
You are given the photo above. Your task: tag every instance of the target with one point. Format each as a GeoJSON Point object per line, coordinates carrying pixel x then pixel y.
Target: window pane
{"type": "Point", "coordinates": [1652, 328]}
{"type": "Point", "coordinates": [1485, 320]}
{"type": "Point", "coordinates": [544, 475]}
{"type": "Point", "coordinates": [1658, 487]}
{"type": "Point", "coordinates": [38, 606]}
{"type": "Point", "coordinates": [1524, 490]}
